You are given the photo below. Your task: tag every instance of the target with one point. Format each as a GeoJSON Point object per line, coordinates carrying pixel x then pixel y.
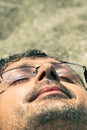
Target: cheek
{"type": "Point", "coordinates": [13, 103]}
{"type": "Point", "coordinates": [16, 94]}
{"type": "Point", "coordinates": [78, 90]}
{"type": "Point", "coordinates": [10, 102]}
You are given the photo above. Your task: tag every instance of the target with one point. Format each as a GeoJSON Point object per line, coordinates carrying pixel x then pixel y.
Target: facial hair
{"type": "Point", "coordinates": [67, 118]}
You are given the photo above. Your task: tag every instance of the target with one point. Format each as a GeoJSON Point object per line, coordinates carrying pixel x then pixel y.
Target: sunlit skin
{"type": "Point", "coordinates": [39, 103]}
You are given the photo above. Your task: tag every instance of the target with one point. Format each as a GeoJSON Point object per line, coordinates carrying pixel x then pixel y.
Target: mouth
{"type": "Point", "coordinates": [51, 91]}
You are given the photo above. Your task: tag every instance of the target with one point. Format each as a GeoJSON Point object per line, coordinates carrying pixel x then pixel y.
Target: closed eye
{"type": "Point", "coordinates": [66, 79]}
{"type": "Point", "coordinates": [19, 81]}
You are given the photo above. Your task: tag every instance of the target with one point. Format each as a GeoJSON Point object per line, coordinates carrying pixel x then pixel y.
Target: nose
{"type": "Point", "coordinates": [47, 71]}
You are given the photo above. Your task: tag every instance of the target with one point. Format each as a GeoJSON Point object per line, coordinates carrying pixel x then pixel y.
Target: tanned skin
{"type": "Point", "coordinates": [40, 103]}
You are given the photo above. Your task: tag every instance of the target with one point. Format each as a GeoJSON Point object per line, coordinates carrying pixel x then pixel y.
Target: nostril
{"type": "Point", "coordinates": [42, 75]}
{"type": "Point", "coordinates": [53, 75]}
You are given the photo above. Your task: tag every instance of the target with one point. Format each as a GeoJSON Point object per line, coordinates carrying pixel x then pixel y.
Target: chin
{"type": "Point", "coordinates": [52, 115]}
{"type": "Point", "coordinates": [61, 113]}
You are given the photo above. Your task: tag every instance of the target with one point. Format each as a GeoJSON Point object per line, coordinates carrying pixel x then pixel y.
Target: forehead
{"type": "Point", "coordinates": [31, 61]}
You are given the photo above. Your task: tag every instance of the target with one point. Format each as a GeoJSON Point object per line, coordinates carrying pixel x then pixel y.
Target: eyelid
{"type": "Point", "coordinates": [18, 81]}
{"type": "Point", "coordinates": [66, 79]}
{"type": "Point", "coordinates": [69, 77]}
{"type": "Point", "coordinates": [22, 66]}
{"type": "Point", "coordinates": [66, 73]}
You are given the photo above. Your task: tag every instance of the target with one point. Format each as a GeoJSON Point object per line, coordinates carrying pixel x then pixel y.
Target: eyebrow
{"type": "Point", "coordinates": [26, 64]}
{"type": "Point", "coordinates": [19, 66]}
{"type": "Point", "coordinates": [23, 65]}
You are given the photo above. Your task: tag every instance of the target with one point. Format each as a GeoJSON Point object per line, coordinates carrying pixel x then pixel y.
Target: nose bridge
{"type": "Point", "coordinates": [47, 67]}
{"type": "Point", "coordinates": [47, 71]}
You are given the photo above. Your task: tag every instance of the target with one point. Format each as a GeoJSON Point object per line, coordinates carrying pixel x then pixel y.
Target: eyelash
{"type": "Point", "coordinates": [67, 80]}
{"type": "Point", "coordinates": [19, 81]}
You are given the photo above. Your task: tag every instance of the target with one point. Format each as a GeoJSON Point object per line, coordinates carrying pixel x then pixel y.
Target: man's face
{"type": "Point", "coordinates": [44, 101]}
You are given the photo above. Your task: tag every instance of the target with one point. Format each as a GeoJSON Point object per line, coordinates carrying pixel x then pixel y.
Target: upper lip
{"type": "Point", "coordinates": [37, 93]}
{"type": "Point", "coordinates": [48, 89]}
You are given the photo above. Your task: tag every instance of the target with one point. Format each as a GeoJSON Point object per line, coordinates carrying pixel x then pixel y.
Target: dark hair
{"type": "Point", "coordinates": [29, 53]}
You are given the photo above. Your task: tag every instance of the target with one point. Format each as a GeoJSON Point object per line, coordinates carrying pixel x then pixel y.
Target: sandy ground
{"type": "Point", "coordinates": [58, 27]}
